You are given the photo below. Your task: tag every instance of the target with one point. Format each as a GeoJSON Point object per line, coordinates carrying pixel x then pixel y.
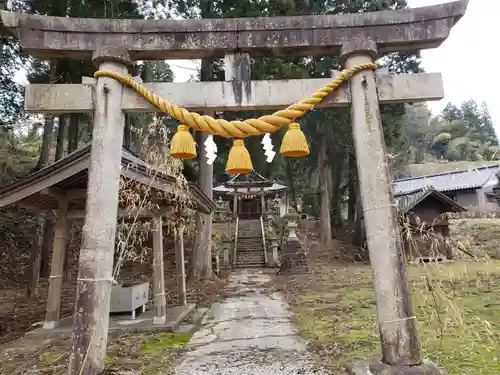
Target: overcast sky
{"type": "Point", "coordinates": [465, 59]}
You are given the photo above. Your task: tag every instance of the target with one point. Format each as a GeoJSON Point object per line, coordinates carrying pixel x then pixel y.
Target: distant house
{"type": "Point", "coordinates": [476, 189]}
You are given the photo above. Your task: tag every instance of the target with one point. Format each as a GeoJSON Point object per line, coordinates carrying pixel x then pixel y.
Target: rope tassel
{"type": "Point", "coordinates": [294, 142]}
{"type": "Point", "coordinates": [183, 145]}
{"type": "Point", "coordinates": [239, 161]}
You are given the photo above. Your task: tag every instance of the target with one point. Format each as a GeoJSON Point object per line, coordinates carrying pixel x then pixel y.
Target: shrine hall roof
{"type": "Point", "coordinates": [71, 174]}
{"type": "Point", "coordinates": [252, 181]}
{"type": "Point", "coordinates": [275, 187]}
{"type": "Point", "coordinates": [409, 200]}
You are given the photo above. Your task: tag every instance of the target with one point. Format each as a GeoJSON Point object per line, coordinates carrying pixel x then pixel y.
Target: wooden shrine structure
{"type": "Point", "coordinates": [63, 187]}
{"type": "Point", "coordinates": [425, 225]}
{"type": "Point", "coordinates": [358, 39]}
{"type": "Point", "coordinates": [251, 195]}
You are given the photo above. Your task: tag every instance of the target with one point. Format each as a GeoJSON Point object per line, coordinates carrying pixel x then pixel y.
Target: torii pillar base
{"type": "Point", "coordinates": [380, 368]}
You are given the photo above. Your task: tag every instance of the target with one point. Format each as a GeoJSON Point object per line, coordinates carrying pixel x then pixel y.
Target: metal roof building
{"type": "Point", "coordinates": [473, 178]}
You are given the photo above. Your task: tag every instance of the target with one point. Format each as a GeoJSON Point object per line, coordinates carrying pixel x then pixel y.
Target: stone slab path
{"type": "Point", "coordinates": [249, 332]}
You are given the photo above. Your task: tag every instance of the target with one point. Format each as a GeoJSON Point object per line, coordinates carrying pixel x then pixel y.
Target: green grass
{"type": "Point", "coordinates": [459, 323]}
{"type": "Point", "coordinates": [164, 340]}
{"type": "Point", "coordinates": [156, 354]}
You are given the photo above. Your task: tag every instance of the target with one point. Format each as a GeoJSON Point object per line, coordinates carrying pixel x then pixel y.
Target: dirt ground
{"type": "Point", "coordinates": [150, 354]}
{"type": "Point", "coordinates": [18, 314]}
{"type": "Point", "coordinates": [147, 354]}
{"type": "Point", "coordinates": [456, 305]}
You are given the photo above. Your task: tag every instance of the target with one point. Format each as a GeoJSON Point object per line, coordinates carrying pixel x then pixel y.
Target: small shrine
{"type": "Point", "coordinates": [251, 195]}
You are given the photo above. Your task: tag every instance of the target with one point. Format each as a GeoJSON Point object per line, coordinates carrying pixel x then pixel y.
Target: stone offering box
{"type": "Point", "coordinates": [128, 297]}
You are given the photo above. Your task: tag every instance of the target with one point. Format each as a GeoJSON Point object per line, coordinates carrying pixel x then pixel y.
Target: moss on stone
{"type": "Point", "coordinates": [164, 340]}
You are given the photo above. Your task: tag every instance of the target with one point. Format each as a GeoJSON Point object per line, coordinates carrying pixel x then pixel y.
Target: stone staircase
{"type": "Point", "coordinates": [249, 247]}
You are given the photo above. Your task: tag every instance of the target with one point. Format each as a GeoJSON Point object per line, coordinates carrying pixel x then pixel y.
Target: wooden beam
{"type": "Point", "coordinates": [76, 194]}
{"type": "Point", "coordinates": [234, 95]}
{"type": "Point", "coordinates": [179, 265]}
{"type": "Point", "coordinates": [53, 191]}
{"type": "Point", "coordinates": [123, 213]}
{"type": "Point", "coordinates": [158, 272]}
{"type": "Point", "coordinates": [26, 190]}
{"type": "Point", "coordinates": [57, 192]}
{"type": "Point", "coordinates": [56, 269]}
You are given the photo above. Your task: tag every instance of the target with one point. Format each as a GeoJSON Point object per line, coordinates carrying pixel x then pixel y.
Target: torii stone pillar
{"type": "Point", "coordinates": [95, 274]}
{"type": "Point", "coordinates": [396, 320]}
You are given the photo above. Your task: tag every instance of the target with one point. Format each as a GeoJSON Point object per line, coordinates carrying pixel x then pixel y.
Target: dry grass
{"type": "Point", "coordinates": [456, 305]}
{"type": "Point", "coordinates": [481, 236]}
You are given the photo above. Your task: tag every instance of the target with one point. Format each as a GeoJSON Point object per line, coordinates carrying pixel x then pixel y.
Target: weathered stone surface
{"type": "Point", "coordinates": [379, 368]}
{"type": "Point", "coordinates": [358, 46]}
{"type": "Point", "coordinates": [198, 96]}
{"type": "Point", "coordinates": [198, 315]}
{"type": "Point", "coordinates": [395, 317]}
{"type": "Point", "coordinates": [393, 30]}
{"type": "Point", "coordinates": [250, 333]}
{"type": "Point", "coordinates": [294, 258]}
{"type": "Point", "coordinates": [105, 53]}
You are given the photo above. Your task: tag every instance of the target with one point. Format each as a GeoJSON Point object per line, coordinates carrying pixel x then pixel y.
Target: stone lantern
{"type": "Point", "coordinates": [294, 257]}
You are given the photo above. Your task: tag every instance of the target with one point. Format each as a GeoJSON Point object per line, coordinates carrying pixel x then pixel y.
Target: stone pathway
{"type": "Point", "coordinates": [249, 332]}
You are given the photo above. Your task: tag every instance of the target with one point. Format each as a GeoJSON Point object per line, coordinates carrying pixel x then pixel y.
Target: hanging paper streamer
{"type": "Point", "coordinates": [211, 149]}
{"type": "Point", "coordinates": [268, 147]}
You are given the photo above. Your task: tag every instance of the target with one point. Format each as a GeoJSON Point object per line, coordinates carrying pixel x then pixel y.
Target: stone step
{"type": "Point", "coordinates": [251, 257]}
{"type": "Point", "coordinates": [250, 253]}
{"type": "Point", "coordinates": [250, 260]}
{"type": "Point", "coordinates": [251, 265]}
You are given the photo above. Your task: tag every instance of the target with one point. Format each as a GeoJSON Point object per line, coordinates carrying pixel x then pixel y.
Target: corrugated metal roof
{"type": "Point", "coordinates": [448, 181]}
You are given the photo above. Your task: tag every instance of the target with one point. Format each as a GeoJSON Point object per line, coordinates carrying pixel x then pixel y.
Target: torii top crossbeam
{"type": "Point", "coordinates": [77, 38]}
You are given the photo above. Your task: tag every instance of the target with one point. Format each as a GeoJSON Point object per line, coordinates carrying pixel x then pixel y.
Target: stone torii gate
{"type": "Point", "coordinates": [357, 38]}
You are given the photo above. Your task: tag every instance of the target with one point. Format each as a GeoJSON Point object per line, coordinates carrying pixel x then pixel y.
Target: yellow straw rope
{"type": "Point", "coordinates": [237, 129]}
